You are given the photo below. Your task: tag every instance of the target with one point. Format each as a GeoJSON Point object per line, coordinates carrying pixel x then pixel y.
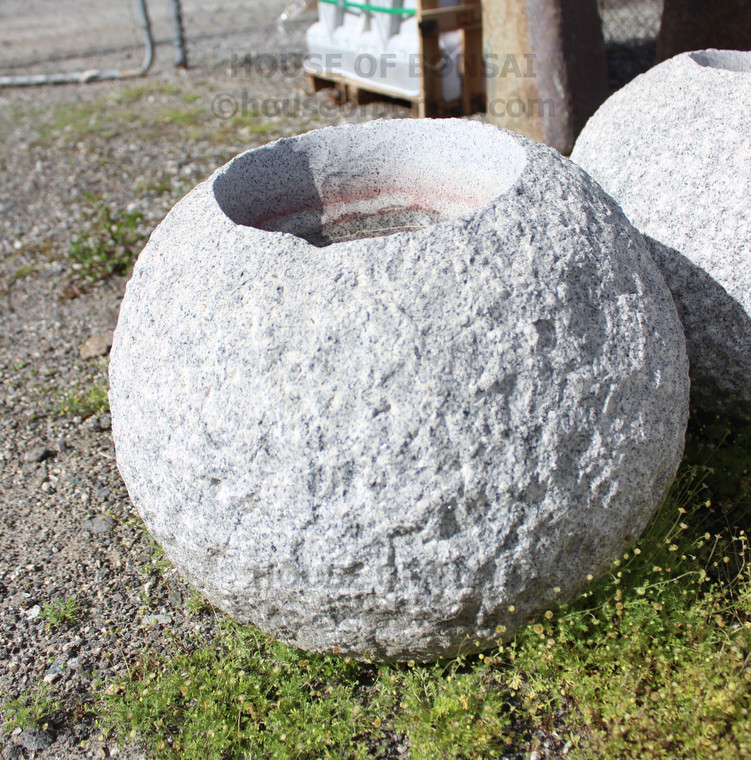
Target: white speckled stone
{"type": "Point", "coordinates": [389, 445]}
{"type": "Point", "coordinates": [673, 147]}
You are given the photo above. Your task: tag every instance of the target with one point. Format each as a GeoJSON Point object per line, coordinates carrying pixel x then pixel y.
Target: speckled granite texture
{"type": "Point", "coordinates": [390, 445]}
{"type": "Point", "coordinates": [673, 147]}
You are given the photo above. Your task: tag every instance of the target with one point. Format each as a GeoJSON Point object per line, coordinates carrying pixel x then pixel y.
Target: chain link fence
{"type": "Point", "coordinates": [626, 21]}
{"type": "Point", "coordinates": [48, 38]}
{"type": "Point", "coordinates": [216, 29]}
{"type": "Point", "coordinates": [72, 40]}
{"type": "Point", "coordinates": [630, 29]}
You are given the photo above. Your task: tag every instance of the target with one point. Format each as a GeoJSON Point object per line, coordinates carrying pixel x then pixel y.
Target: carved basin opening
{"type": "Point", "coordinates": [729, 60]}
{"type": "Point", "coordinates": [338, 186]}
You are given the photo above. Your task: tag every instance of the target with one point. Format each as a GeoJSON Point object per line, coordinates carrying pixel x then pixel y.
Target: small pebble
{"type": "Point", "coordinates": [34, 740]}
{"type": "Point", "coordinates": [99, 525]}
{"type": "Point", "coordinates": [98, 344]}
{"type": "Point", "coordinates": [13, 752]}
{"type": "Point", "coordinates": [40, 453]}
{"type": "Point", "coordinates": [57, 667]}
{"type": "Point", "coordinates": [154, 619]}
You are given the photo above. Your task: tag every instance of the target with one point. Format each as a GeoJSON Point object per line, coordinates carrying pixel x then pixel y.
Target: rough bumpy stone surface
{"type": "Point", "coordinates": [386, 445]}
{"type": "Point", "coordinates": [673, 147]}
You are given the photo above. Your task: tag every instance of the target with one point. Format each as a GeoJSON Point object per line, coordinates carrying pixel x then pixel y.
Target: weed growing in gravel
{"type": "Point", "coordinates": [110, 246]}
{"type": "Point", "coordinates": [197, 604]}
{"type": "Point", "coordinates": [246, 692]}
{"type": "Point", "coordinates": [75, 121]}
{"type": "Point", "coordinates": [93, 400]}
{"type": "Point", "coordinates": [184, 117]}
{"type": "Point", "coordinates": [133, 93]}
{"type": "Point", "coordinates": [158, 565]}
{"type": "Point", "coordinates": [89, 401]}
{"type": "Point", "coordinates": [651, 661]}
{"type": "Point", "coordinates": [61, 612]}
{"type": "Point", "coordinates": [21, 273]}
{"type": "Point", "coordinates": [158, 185]}
{"type": "Point", "coordinates": [19, 365]}
{"type": "Point", "coordinates": [33, 709]}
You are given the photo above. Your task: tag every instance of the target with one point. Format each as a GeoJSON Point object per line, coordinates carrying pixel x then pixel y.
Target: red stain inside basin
{"type": "Point", "coordinates": [373, 213]}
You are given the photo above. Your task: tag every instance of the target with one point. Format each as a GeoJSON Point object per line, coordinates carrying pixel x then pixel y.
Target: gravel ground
{"type": "Point", "coordinates": [68, 528]}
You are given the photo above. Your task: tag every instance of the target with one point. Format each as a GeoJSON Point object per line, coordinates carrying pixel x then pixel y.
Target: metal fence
{"type": "Point", "coordinates": [628, 21]}
{"type": "Point", "coordinates": [215, 29]}
{"type": "Point", "coordinates": [630, 28]}
{"type": "Point", "coordinates": [54, 38]}
{"type": "Point", "coordinates": [73, 40]}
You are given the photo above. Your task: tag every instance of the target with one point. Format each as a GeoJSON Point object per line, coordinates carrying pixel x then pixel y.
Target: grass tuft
{"type": "Point", "coordinates": [61, 612]}
{"type": "Point", "coordinates": [90, 400]}
{"type": "Point", "coordinates": [110, 246]}
{"type": "Point", "coordinates": [33, 709]}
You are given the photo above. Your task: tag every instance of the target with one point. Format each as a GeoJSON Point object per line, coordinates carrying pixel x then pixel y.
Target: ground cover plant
{"type": "Point", "coordinates": [651, 661]}
{"type": "Point", "coordinates": [61, 612]}
{"type": "Point", "coordinates": [33, 708]}
{"type": "Point", "coordinates": [109, 247]}
{"type": "Point", "coordinates": [87, 399]}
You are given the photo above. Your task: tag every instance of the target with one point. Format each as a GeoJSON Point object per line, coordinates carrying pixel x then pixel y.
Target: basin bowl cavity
{"type": "Point", "coordinates": [330, 186]}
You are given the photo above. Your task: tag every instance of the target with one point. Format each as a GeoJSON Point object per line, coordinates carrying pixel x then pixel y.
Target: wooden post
{"type": "Point", "coordinates": [699, 24]}
{"type": "Point", "coordinates": [431, 89]}
{"type": "Point", "coordinates": [545, 67]}
{"type": "Point", "coordinates": [473, 79]}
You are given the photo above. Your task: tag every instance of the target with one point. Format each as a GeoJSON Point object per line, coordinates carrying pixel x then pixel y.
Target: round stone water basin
{"type": "Point", "coordinates": [382, 389]}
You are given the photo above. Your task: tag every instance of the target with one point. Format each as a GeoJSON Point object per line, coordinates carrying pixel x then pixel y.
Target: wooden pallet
{"type": "Point", "coordinates": [431, 21]}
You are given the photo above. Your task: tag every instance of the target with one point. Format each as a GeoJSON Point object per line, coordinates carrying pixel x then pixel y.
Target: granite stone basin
{"type": "Point", "coordinates": [673, 148]}
{"type": "Point", "coordinates": [383, 389]}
